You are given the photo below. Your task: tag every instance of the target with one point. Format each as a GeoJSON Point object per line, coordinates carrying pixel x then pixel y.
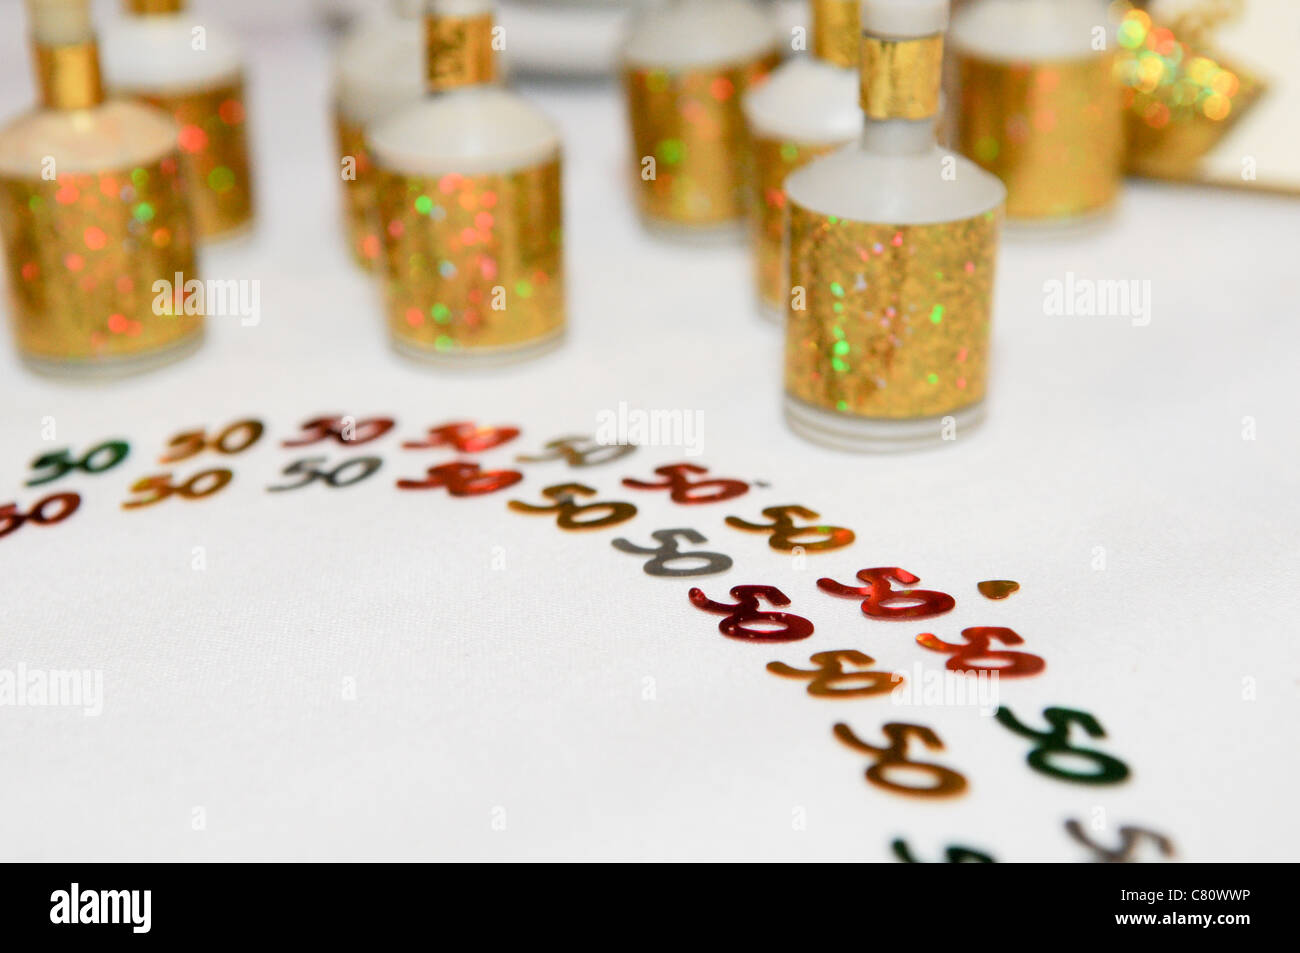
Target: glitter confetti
{"type": "Point", "coordinates": [1051, 130]}
{"type": "Point", "coordinates": [490, 281]}
{"type": "Point", "coordinates": [998, 588]}
{"type": "Point", "coordinates": [691, 123]}
{"type": "Point", "coordinates": [884, 354]}
{"type": "Point", "coordinates": [214, 146]}
{"type": "Point", "coordinates": [108, 312]}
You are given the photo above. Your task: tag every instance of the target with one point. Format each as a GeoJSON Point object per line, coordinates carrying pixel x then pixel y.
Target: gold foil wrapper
{"type": "Point", "coordinates": [836, 31]}
{"type": "Point", "coordinates": [1179, 99]}
{"type": "Point", "coordinates": [458, 51]}
{"type": "Point", "coordinates": [472, 264]}
{"type": "Point", "coordinates": [774, 159]}
{"type": "Point", "coordinates": [359, 216]}
{"type": "Point", "coordinates": [146, 7]}
{"type": "Point", "coordinates": [1052, 131]}
{"type": "Point", "coordinates": [214, 148]}
{"type": "Point", "coordinates": [895, 323]}
{"type": "Point", "coordinates": [691, 143]}
{"type": "Point", "coordinates": [68, 76]}
{"type": "Point", "coordinates": [900, 78]}
{"type": "Point", "coordinates": [82, 253]}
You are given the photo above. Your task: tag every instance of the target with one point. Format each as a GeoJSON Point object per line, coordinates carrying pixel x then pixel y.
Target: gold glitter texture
{"type": "Point", "coordinates": [690, 123]}
{"type": "Point", "coordinates": [836, 31]}
{"type": "Point", "coordinates": [214, 149]}
{"type": "Point", "coordinates": [458, 51]}
{"type": "Point", "coordinates": [1179, 99]}
{"type": "Point", "coordinates": [472, 263]}
{"type": "Point", "coordinates": [900, 78]}
{"type": "Point", "coordinates": [896, 318]}
{"type": "Point", "coordinates": [774, 159]}
{"type": "Point", "coordinates": [358, 193]}
{"type": "Point", "coordinates": [82, 254]}
{"type": "Point", "coordinates": [1052, 131]}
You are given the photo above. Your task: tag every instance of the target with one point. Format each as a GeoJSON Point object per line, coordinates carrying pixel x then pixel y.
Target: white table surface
{"type": "Point", "coordinates": [500, 712]}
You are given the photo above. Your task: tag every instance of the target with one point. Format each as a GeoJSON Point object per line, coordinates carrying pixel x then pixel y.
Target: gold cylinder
{"type": "Point", "coordinates": [472, 264]}
{"type": "Point", "coordinates": [68, 76]}
{"type": "Point", "coordinates": [214, 151]}
{"type": "Point", "coordinates": [1051, 130]}
{"type": "Point", "coordinates": [900, 78]}
{"type": "Point", "coordinates": [774, 159]}
{"type": "Point", "coordinates": [836, 31]}
{"type": "Point", "coordinates": [85, 253]}
{"type": "Point", "coordinates": [889, 321]}
{"type": "Point", "coordinates": [458, 51]}
{"type": "Point", "coordinates": [691, 142]}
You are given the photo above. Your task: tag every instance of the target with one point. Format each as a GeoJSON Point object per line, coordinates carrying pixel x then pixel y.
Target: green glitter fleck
{"type": "Point", "coordinates": [671, 151]}
{"type": "Point", "coordinates": [789, 151]}
{"type": "Point", "coordinates": [444, 343]}
{"type": "Point", "coordinates": [523, 288]}
{"type": "Point", "coordinates": [986, 149]}
{"type": "Point", "coordinates": [841, 405]}
{"type": "Point", "coordinates": [841, 347]}
{"type": "Point", "coordinates": [144, 212]}
{"type": "Point", "coordinates": [839, 364]}
{"type": "Point", "coordinates": [837, 289]}
{"type": "Point", "coordinates": [441, 313]}
{"type": "Point", "coordinates": [139, 178]}
{"type": "Point", "coordinates": [424, 205]}
{"type": "Point", "coordinates": [937, 314]}
{"type": "Point", "coordinates": [221, 179]}
{"type": "Point", "coordinates": [932, 378]}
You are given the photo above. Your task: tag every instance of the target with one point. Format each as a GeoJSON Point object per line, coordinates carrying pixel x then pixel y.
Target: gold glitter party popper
{"type": "Point", "coordinates": [1040, 104]}
{"type": "Point", "coordinates": [686, 66]}
{"type": "Point", "coordinates": [467, 186]}
{"type": "Point", "coordinates": [892, 247]}
{"type": "Point", "coordinates": [1180, 97]}
{"type": "Point", "coordinates": [191, 69]}
{"type": "Point", "coordinates": [806, 108]}
{"type": "Point", "coordinates": [98, 241]}
{"type": "Point", "coordinates": [379, 69]}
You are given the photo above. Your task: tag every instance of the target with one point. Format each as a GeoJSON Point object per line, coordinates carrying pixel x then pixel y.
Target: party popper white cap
{"type": "Point", "coordinates": [904, 19]}
{"type": "Point", "coordinates": [459, 8]}
{"type": "Point", "coordinates": [60, 22]}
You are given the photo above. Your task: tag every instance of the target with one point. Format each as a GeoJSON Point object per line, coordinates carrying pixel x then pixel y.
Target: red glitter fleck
{"type": "Point", "coordinates": [231, 112]}
{"type": "Point", "coordinates": [193, 139]}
